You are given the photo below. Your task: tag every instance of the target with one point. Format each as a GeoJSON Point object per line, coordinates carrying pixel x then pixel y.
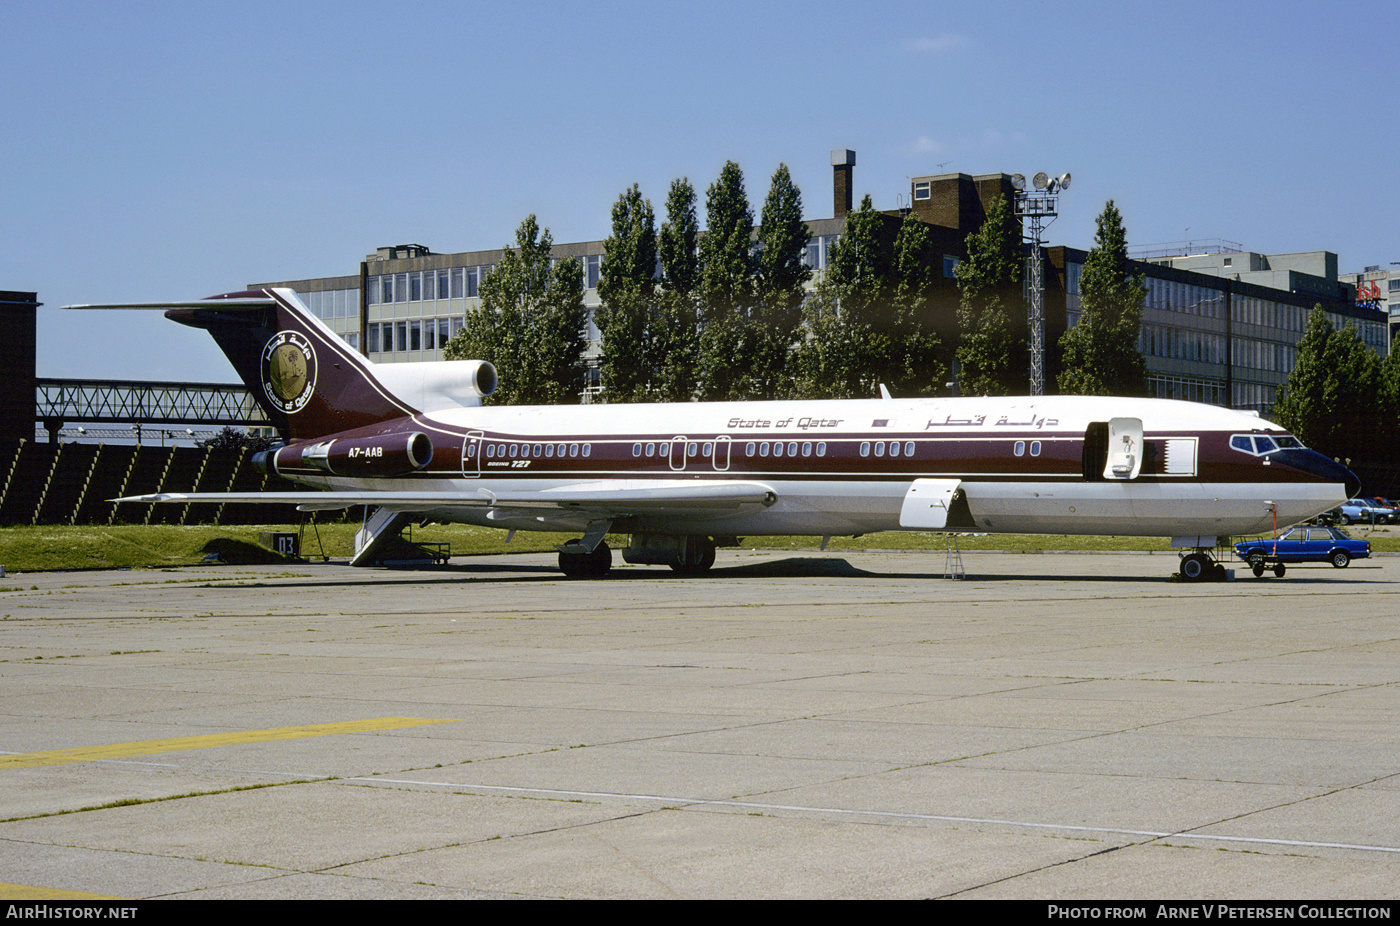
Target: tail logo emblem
{"type": "Point", "coordinates": [288, 371]}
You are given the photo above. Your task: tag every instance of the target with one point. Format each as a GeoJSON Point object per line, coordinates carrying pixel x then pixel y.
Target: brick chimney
{"type": "Point", "coordinates": [843, 165]}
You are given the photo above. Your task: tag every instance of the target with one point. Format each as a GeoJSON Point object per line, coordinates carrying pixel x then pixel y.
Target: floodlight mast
{"type": "Point", "coordinates": [1037, 207]}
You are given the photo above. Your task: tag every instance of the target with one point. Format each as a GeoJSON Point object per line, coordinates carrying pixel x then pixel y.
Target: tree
{"type": "Point", "coordinates": [1329, 400]}
{"type": "Point", "coordinates": [990, 356]}
{"type": "Point", "coordinates": [915, 366]}
{"type": "Point", "coordinates": [867, 321]}
{"type": "Point", "coordinates": [726, 289]}
{"type": "Point", "coordinates": [677, 335]}
{"type": "Point", "coordinates": [1100, 354]}
{"type": "Point", "coordinates": [530, 324]}
{"type": "Point", "coordinates": [839, 357]}
{"type": "Point", "coordinates": [627, 288]}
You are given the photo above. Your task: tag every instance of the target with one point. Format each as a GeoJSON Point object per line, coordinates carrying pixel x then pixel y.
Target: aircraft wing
{"type": "Point", "coordinates": [603, 499]}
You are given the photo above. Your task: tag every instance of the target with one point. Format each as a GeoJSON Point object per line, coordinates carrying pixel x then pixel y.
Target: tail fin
{"type": "Point", "coordinates": [308, 381]}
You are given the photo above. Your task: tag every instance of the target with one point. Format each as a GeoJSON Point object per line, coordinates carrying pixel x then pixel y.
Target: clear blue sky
{"type": "Point", "coordinates": [176, 150]}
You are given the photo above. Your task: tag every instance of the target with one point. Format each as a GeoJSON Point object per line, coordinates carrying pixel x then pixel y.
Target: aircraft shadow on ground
{"type": "Point", "coordinates": [796, 567]}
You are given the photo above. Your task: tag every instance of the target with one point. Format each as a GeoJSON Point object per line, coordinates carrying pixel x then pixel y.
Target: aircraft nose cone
{"type": "Point", "coordinates": [1324, 468]}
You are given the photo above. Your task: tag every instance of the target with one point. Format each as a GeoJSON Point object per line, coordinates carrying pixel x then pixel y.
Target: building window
{"type": "Point", "coordinates": [923, 189]}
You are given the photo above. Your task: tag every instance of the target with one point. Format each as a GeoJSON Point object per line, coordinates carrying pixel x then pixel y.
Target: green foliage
{"type": "Point", "coordinates": [680, 240]}
{"type": "Point", "coordinates": [727, 268]}
{"type": "Point", "coordinates": [780, 283]}
{"type": "Point", "coordinates": [838, 357]}
{"type": "Point", "coordinates": [991, 357]}
{"type": "Point", "coordinates": [530, 324]}
{"type": "Point", "coordinates": [728, 293]}
{"type": "Point", "coordinates": [782, 271]}
{"type": "Point", "coordinates": [627, 318]}
{"type": "Point", "coordinates": [915, 366]}
{"type": "Point", "coordinates": [867, 320]}
{"type": "Point", "coordinates": [676, 338]}
{"type": "Point", "coordinates": [1099, 354]}
{"type": "Point", "coordinates": [1330, 399]}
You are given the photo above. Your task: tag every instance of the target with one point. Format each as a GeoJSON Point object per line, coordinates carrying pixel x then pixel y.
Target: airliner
{"type": "Point", "coordinates": [415, 443]}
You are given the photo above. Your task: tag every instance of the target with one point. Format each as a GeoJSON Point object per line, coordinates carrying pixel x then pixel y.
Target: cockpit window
{"type": "Point", "coordinates": [1257, 445]}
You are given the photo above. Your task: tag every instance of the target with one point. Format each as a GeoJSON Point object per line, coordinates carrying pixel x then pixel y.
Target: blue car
{"type": "Point", "coordinates": [1302, 545]}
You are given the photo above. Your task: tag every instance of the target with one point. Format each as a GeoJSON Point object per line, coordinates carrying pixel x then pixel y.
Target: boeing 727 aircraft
{"type": "Point", "coordinates": [414, 441]}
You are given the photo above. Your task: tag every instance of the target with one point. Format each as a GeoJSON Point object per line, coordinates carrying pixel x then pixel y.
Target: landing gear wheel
{"type": "Point", "coordinates": [1194, 566]}
{"type": "Point", "coordinates": [699, 557]}
{"type": "Point", "coordinates": [1340, 558]}
{"type": "Point", "coordinates": [1279, 569]}
{"type": "Point", "coordinates": [593, 565]}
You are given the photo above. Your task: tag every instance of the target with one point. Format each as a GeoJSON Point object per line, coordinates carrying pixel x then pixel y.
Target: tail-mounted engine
{"type": "Point", "coordinates": [381, 455]}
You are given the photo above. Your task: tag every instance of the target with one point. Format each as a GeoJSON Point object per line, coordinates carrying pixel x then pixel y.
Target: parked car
{"type": "Point", "coordinates": [1327, 518]}
{"type": "Point", "coordinates": [1362, 510]}
{"type": "Point", "coordinates": [1302, 545]}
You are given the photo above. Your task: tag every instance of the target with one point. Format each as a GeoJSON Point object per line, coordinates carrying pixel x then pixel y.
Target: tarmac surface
{"type": "Point", "coordinates": [1054, 726]}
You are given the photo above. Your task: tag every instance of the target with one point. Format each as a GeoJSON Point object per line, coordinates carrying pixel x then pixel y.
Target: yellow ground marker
{"type": "Point", "coordinates": [28, 892]}
{"type": "Point", "coordinates": [208, 741]}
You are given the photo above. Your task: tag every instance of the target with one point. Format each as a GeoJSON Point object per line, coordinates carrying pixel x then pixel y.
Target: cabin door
{"type": "Point", "coordinates": [471, 454]}
{"type": "Point", "coordinates": [721, 457]}
{"type": "Point", "coordinates": [678, 453]}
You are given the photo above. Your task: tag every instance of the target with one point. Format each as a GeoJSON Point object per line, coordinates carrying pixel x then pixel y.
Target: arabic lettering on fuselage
{"type": "Point", "coordinates": [1033, 421]}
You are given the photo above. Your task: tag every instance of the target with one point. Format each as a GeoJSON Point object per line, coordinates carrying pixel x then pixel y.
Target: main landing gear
{"type": "Point", "coordinates": [592, 565]}
{"type": "Point", "coordinates": [1199, 567]}
{"type": "Point", "coordinates": [686, 554]}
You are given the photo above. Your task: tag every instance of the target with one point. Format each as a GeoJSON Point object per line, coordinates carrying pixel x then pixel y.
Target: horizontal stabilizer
{"type": "Point", "coordinates": [248, 303]}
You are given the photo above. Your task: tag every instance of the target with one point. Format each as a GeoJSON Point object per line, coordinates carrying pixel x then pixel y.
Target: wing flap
{"type": "Point", "coordinates": [616, 498]}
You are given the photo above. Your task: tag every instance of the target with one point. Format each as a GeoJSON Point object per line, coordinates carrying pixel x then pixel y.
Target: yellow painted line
{"type": "Point", "coordinates": [208, 741]}
{"type": "Point", "coordinates": [26, 892]}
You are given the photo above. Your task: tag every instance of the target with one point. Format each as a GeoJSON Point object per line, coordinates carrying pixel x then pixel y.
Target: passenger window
{"type": "Point", "coordinates": [908, 448]}
{"type": "Point", "coordinates": [651, 450]}
{"type": "Point", "coordinates": [750, 448]}
{"type": "Point", "coordinates": [777, 448]}
{"type": "Point", "coordinates": [1020, 448]}
{"type": "Point", "coordinates": [806, 448]}
{"type": "Point", "coordinates": [894, 448]}
{"type": "Point", "coordinates": [549, 450]}
{"type": "Point", "coordinates": [879, 448]}
{"type": "Point", "coordinates": [763, 449]}
{"type": "Point", "coordinates": [587, 450]}
{"type": "Point", "coordinates": [690, 449]}
{"type": "Point", "coordinates": [821, 448]}
{"type": "Point", "coordinates": [573, 450]}
{"type": "Point", "coordinates": [1035, 448]}
{"type": "Point", "coordinates": [539, 449]}
{"type": "Point", "coordinates": [709, 449]}
{"type": "Point", "coordinates": [514, 450]}
{"type": "Point", "coordinates": [865, 448]}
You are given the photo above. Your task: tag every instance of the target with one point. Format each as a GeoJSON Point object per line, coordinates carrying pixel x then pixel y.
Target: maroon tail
{"type": "Point", "coordinates": [308, 381]}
